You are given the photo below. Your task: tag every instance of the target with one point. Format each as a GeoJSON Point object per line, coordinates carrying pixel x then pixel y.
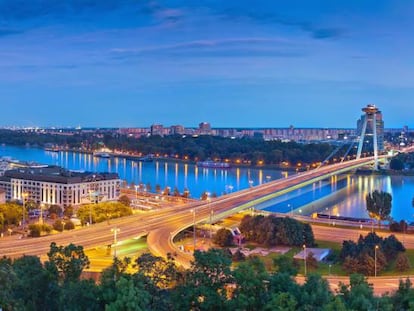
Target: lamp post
{"type": "Point", "coordinates": [41, 213]}
{"type": "Point", "coordinates": [375, 260]}
{"type": "Point", "coordinates": [115, 232]}
{"type": "Point", "coordinates": [291, 209]}
{"type": "Point", "coordinates": [304, 257]}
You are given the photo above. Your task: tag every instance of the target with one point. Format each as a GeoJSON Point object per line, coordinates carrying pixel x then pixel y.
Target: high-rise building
{"type": "Point", "coordinates": [157, 129]}
{"type": "Point", "coordinates": [204, 128]}
{"type": "Point", "coordinates": [177, 130]}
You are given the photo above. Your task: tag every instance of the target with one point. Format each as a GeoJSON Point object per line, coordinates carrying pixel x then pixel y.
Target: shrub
{"type": "Point", "coordinates": [223, 237]}
{"type": "Point", "coordinates": [37, 229]}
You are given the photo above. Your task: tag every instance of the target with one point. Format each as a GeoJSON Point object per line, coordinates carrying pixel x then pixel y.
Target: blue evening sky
{"type": "Point", "coordinates": [244, 63]}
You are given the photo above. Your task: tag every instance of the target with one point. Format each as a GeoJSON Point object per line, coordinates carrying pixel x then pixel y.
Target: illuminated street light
{"type": "Point", "coordinates": [375, 260]}
{"type": "Point", "coordinates": [115, 232]}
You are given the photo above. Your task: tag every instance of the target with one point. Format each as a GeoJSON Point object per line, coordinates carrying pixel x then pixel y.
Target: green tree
{"type": "Point", "coordinates": [204, 285]}
{"type": "Point", "coordinates": [129, 297]}
{"type": "Point", "coordinates": [251, 279]}
{"type": "Point", "coordinates": [55, 210]}
{"type": "Point", "coordinates": [378, 204]}
{"type": "Point", "coordinates": [358, 295]}
{"type": "Point", "coordinates": [402, 262]}
{"type": "Point", "coordinates": [7, 280]}
{"type": "Point", "coordinates": [80, 295]}
{"type": "Point", "coordinates": [403, 298]}
{"type": "Point", "coordinates": [281, 302]}
{"type": "Point", "coordinates": [315, 293]}
{"type": "Point", "coordinates": [110, 275]}
{"type": "Point", "coordinates": [223, 237]}
{"type": "Point", "coordinates": [311, 261]}
{"type": "Point", "coordinates": [69, 261]}
{"type": "Point", "coordinates": [125, 200]}
{"type": "Point", "coordinates": [396, 164]}
{"type": "Point", "coordinates": [68, 211]}
{"type": "Point", "coordinates": [161, 272]}
{"type": "Point", "coordinates": [32, 283]}
{"type": "Point", "coordinates": [286, 264]}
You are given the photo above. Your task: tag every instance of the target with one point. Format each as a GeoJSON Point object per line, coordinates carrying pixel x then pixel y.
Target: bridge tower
{"type": "Point", "coordinates": [371, 124]}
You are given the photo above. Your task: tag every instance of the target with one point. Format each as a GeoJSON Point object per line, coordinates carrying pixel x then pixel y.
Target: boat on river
{"type": "Point", "coordinates": [213, 164]}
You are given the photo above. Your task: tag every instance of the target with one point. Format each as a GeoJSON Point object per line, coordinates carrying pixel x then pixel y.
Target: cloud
{"type": "Point", "coordinates": [236, 47]}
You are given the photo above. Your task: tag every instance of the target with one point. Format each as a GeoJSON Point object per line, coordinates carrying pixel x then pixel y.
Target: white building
{"type": "Point", "coordinates": [2, 196]}
{"type": "Point", "coordinates": [56, 185]}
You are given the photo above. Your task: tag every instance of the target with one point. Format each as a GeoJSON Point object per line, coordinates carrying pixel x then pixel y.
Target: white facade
{"type": "Point", "coordinates": [46, 189]}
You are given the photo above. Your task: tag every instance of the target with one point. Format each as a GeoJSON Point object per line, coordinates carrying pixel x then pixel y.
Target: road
{"type": "Point", "coordinates": [163, 225]}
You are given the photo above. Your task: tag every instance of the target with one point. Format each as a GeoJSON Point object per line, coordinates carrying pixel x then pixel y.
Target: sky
{"type": "Point", "coordinates": [244, 63]}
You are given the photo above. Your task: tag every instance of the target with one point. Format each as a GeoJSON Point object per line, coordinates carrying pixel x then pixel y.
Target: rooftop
{"type": "Point", "coordinates": [56, 174]}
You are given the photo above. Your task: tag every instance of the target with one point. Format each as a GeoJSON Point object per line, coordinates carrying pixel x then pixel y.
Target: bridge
{"type": "Point", "coordinates": [162, 226]}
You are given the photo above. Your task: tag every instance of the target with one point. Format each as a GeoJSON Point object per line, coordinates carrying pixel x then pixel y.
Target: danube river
{"type": "Point", "coordinates": [340, 195]}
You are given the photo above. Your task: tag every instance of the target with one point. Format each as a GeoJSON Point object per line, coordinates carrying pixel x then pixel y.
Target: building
{"type": "Point", "coordinates": [157, 129]}
{"type": "Point", "coordinates": [204, 128]}
{"type": "Point", "coordinates": [56, 185]}
{"type": "Point", "coordinates": [177, 130]}
{"type": "Point", "coordinates": [2, 196]}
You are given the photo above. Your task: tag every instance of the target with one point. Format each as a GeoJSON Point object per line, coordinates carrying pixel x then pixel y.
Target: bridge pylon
{"type": "Point", "coordinates": [369, 128]}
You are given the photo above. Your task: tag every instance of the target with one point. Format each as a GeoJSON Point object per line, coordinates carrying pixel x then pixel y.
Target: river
{"type": "Point", "coordinates": [340, 195]}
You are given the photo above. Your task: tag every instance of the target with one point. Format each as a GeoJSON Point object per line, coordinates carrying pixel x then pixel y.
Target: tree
{"type": "Point", "coordinates": [404, 296]}
{"type": "Point", "coordinates": [286, 264]}
{"type": "Point", "coordinates": [55, 210]}
{"type": "Point", "coordinates": [68, 211]}
{"type": "Point", "coordinates": [223, 237]}
{"type": "Point", "coordinates": [311, 261]}
{"type": "Point", "coordinates": [123, 199]}
{"type": "Point", "coordinates": [80, 295]}
{"type": "Point", "coordinates": [204, 285]}
{"type": "Point", "coordinates": [68, 261]}
{"type": "Point", "coordinates": [402, 262]}
{"type": "Point", "coordinates": [160, 271]}
{"type": "Point", "coordinates": [7, 280]}
{"type": "Point", "coordinates": [251, 279]}
{"type": "Point", "coordinates": [378, 205]}
{"type": "Point", "coordinates": [315, 293]}
{"type": "Point", "coordinates": [32, 283]}
{"type": "Point", "coordinates": [129, 297]}
{"type": "Point", "coordinates": [281, 302]}
{"type": "Point", "coordinates": [396, 164]}
{"type": "Point", "coordinates": [358, 295]}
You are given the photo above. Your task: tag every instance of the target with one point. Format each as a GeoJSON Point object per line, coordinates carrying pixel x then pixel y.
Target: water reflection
{"type": "Point", "coordinates": [345, 195]}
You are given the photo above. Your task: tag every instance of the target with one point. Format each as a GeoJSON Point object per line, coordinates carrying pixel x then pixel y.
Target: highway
{"type": "Point", "coordinates": [163, 225]}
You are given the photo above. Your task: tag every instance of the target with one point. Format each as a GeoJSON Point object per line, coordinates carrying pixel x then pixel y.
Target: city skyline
{"type": "Point", "coordinates": [132, 64]}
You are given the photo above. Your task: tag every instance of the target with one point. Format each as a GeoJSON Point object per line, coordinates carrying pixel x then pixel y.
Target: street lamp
{"type": "Point", "coordinates": [115, 232]}
{"type": "Point", "coordinates": [304, 257]}
{"type": "Point", "coordinates": [375, 260]}
{"type": "Point", "coordinates": [63, 226]}
{"type": "Point", "coordinates": [41, 213]}
{"type": "Point", "coordinates": [291, 209]}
